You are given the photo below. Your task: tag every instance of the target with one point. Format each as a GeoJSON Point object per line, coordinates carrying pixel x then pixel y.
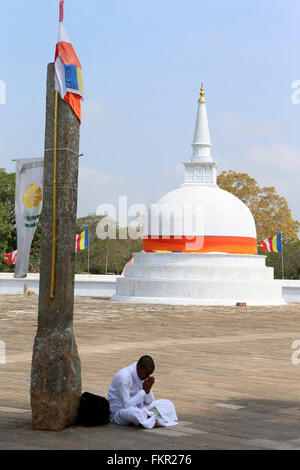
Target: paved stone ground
{"type": "Point", "coordinates": [228, 371]}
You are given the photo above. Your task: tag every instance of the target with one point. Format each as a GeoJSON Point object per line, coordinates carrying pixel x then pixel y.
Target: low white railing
{"type": "Point", "coordinates": [85, 285]}
{"type": "Point", "coordinates": [105, 286]}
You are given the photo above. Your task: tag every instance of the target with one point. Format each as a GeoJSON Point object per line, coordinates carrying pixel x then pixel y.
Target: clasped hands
{"type": "Point", "coordinates": [148, 383]}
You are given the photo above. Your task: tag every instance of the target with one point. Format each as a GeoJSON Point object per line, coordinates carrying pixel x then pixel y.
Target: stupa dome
{"type": "Point", "coordinates": [199, 216]}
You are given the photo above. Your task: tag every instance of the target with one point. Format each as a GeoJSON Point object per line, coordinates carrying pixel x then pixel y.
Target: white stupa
{"type": "Point", "coordinates": [199, 245]}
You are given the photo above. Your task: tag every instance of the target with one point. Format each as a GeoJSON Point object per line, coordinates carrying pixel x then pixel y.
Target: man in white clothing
{"type": "Point", "coordinates": [130, 394]}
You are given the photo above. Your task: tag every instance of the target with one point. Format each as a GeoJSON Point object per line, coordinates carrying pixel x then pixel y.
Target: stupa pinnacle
{"type": "Point", "coordinates": [201, 169]}
{"type": "Point", "coordinates": [202, 99]}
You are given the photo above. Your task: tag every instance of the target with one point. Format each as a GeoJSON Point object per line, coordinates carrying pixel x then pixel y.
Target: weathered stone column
{"type": "Point", "coordinates": [56, 370]}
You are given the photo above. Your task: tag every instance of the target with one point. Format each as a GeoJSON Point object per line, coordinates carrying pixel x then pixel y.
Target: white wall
{"type": "Point", "coordinates": [105, 286]}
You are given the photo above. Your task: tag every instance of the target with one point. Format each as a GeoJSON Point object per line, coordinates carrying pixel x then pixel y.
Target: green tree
{"type": "Point", "coordinates": [291, 261]}
{"type": "Point", "coordinates": [113, 253]}
{"type": "Point", "coordinates": [7, 217]}
{"type": "Point", "coordinates": [270, 211]}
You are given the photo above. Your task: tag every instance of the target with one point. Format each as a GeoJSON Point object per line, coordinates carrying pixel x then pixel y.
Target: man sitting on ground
{"type": "Point", "coordinates": [132, 401]}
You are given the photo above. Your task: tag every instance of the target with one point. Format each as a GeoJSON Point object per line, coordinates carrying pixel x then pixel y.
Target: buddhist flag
{"type": "Point", "coordinates": [68, 70]}
{"type": "Point", "coordinates": [11, 258]}
{"type": "Point", "coordinates": [82, 241]}
{"type": "Point", "coordinates": [28, 208]}
{"type": "Point", "coordinates": [272, 244]}
{"type": "Point", "coordinates": [129, 262]}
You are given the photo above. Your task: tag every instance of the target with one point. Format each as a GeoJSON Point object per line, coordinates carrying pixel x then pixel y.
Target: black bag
{"type": "Point", "coordinates": [93, 410]}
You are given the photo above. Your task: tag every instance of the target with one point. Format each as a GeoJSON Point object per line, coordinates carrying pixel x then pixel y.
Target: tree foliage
{"type": "Point", "coordinates": [291, 261]}
{"type": "Point", "coordinates": [106, 256]}
{"type": "Point", "coordinates": [7, 216]}
{"type": "Point", "coordinates": [270, 211]}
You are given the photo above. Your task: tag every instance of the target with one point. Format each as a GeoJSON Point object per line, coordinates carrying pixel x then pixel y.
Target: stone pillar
{"type": "Point", "coordinates": [56, 370]}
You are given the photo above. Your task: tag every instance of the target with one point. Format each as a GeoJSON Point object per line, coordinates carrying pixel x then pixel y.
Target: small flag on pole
{"type": "Point", "coordinates": [273, 244]}
{"type": "Point", "coordinates": [82, 241]}
{"type": "Point", "coordinates": [68, 70]}
{"type": "Point", "coordinates": [129, 262]}
{"type": "Point", "coordinates": [11, 258]}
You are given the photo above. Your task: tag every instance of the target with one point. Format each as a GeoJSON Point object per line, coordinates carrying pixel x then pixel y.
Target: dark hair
{"type": "Point", "coordinates": [146, 362]}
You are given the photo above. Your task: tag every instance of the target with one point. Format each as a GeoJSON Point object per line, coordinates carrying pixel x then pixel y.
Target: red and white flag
{"type": "Point", "coordinates": [68, 70]}
{"type": "Point", "coordinates": [11, 258]}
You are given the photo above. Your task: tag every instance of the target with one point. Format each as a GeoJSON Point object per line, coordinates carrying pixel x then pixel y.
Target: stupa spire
{"type": "Point", "coordinates": [201, 143]}
{"type": "Point", "coordinates": [201, 169]}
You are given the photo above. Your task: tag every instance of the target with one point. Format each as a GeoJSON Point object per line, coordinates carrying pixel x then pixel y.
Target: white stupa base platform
{"type": "Point", "coordinates": [198, 279]}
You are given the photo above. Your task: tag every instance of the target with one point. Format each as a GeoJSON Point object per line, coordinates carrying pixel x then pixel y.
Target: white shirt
{"type": "Point", "coordinates": [126, 390]}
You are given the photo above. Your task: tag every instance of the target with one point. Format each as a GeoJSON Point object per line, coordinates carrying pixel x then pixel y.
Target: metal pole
{"type": "Point", "coordinates": [54, 199]}
{"type": "Point", "coordinates": [88, 250]}
{"type": "Point", "coordinates": [106, 258]}
{"type": "Point", "coordinates": [282, 256]}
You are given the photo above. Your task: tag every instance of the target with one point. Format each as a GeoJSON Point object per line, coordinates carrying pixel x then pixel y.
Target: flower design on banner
{"type": "Point", "coordinates": [33, 196]}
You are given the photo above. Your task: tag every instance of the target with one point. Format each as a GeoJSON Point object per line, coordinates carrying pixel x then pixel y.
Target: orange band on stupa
{"type": "Point", "coordinates": [202, 244]}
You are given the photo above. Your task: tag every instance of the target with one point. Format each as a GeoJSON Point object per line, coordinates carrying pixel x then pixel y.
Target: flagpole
{"type": "Point", "coordinates": [61, 11]}
{"type": "Point", "coordinates": [106, 258]}
{"type": "Point", "coordinates": [53, 265]}
{"type": "Point", "coordinates": [282, 256]}
{"type": "Point", "coordinates": [88, 250]}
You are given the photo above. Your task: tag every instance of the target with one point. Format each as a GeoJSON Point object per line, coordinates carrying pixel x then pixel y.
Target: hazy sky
{"type": "Point", "coordinates": [143, 63]}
